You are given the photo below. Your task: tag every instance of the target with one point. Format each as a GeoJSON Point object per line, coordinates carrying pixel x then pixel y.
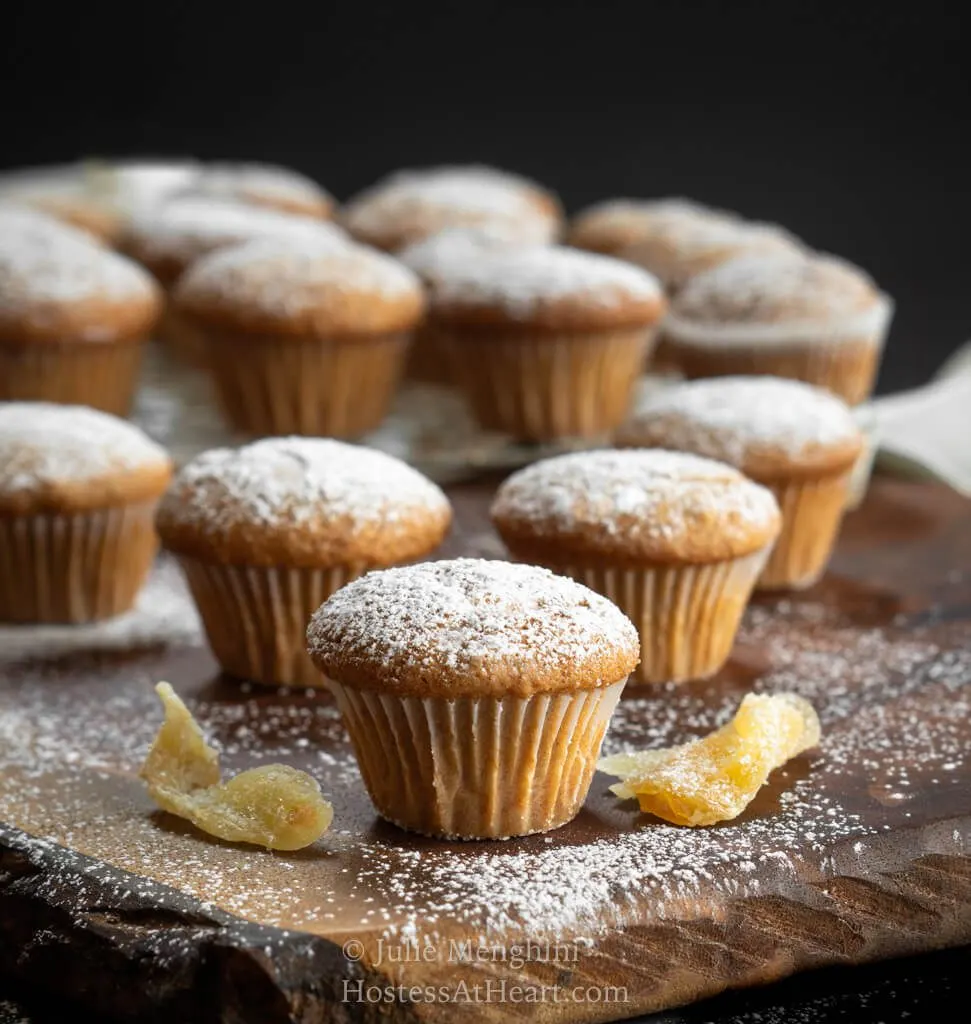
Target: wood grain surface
{"type": "Point", "coordinates": [856, 852]}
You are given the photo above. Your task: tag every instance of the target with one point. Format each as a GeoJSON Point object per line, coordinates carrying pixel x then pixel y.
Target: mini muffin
{"type": "Point", "coordinates": [812, 318]}
{"type": "Point", "coordinates": [277, 188]}
{"type": "Point", "coordinates": [168, 238]}
{"type": "Point", "coordinates": [680, 246]}
{"type": "Point", "coordinates": [799, 441]}
{"type": "Point", "coordinates": [413, 204]}
{"type": "Point", "coordinates": [266, 533]}
{"type": "Point", "coordinates": [675, 540]}
{"type": "Point", "coordinates": [546, 342]}
{"type": "Point", "coordinates": [476, 693]}
{"type": "Point", "coordinates": [87, 214]}
{"type": "Point", "coordinates": [73, 317]}
{"type": "Point", "coordinates": [20, 218]}
{"type": "Point", "coordinates": [433, 259]}
{"type": "Point", "coordinates": [302, 338]}
{"type": "Point", "coordinates": [614, 225]}
{"type": "Point", "coordinates": [78, 490]}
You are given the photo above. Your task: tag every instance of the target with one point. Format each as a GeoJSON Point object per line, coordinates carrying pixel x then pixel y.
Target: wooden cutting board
{"type": "Point", "coordinates": [857, 852]}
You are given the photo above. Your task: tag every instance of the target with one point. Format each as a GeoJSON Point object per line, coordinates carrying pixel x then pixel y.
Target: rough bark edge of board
{"type": "Point", "coordinates": [157, 955]}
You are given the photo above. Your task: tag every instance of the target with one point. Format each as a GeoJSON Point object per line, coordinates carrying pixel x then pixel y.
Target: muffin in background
{"type": "Point", "coordinates": [410, 205]}
{"type": "Point", "coordinates": [267, 185]}
{"type": "Point", "coordinates": [547, 342]}
{"type": "Point", "coordinates": [612, 226]}
{"type": "Point", "coordinates": [813, 318]}
{"type": "Point", "coordinates": [476, 693]}
{"type": "Point", "coordinates": [168, 238]}
{"type": "Point", "coordinates": [82, 212]}
{"type": "Point", "coordinates": [302, 337]}
{"type": "Point", "coordinates": [73, 316]}
{"type": "Point", "coordinates": [680, 247]}
{"type": "Point", "coordinates": [268, 532]}
{"type": "Point", "coordinates": [799, 441]}
{"type": "Point", "coordinates": [434, 259]}
{"type": "Point", "coordinates": [674, 540]}
{"type": "Point", "coordinates": [78, 490]}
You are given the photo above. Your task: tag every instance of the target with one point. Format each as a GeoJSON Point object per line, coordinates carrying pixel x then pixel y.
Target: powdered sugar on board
{"type": "Point", "coordinates": [894, 701]}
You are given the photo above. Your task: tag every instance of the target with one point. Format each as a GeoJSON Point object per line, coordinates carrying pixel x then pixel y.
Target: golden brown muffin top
{"type": "Point", "coordinates": [632, 508]}
{"type": "Point", "coordinates": [440, 255]}
{"type": "Point", "coordinates": [471, 628]}
{"type": "Point", "coordinates": [546, 287]}
{"type": "Point", "coordinates": [277, 188]}
{"type": "Point", "coordinates": [767, 291]}
{"type": "Point", "coordinates": [82, 212]}
{"type": "Point", "coordinates": [67, 458]}
{"type": "Point", "coordinates": [171, 236]}
{"type": "Point", "coordinates": [613, 225]}
{"type": "Point", "coordinates": [312, 288]}
{"type": "Point", "coordinates": [410, 205]}
{"type": "Point", "coordinates": [302, 502]}
{"type": "Point", "coordinates": [681, 247]}
{"type": "Point", "coordinates": [767, 427]}
{"type": "Point", "coordinates": [56, 285]}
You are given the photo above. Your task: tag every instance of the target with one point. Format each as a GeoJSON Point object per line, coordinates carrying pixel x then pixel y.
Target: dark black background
{"type": "Point", "coordinates": [847, 123]}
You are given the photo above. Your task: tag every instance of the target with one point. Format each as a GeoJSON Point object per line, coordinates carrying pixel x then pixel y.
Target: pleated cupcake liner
{"type": "Point", "coordinates": [318, 387]}
{"type": "Point", "coordinates": [535, 387]}
{"type": "Point", "coordinates": [687, 615]}
{"type": "Point", "coordinates": [847, 367]}
{"type": "Point", "coordinates": [812, 511]}
{"type": "Point", "coordinates": [184, 339]}
{"type": "Point", "coordinates": [478, 768]}
{"type": "Point", "coordinates": [103, 375]}
{"type": "Point", "coordinates": [428, 358]}
{"type": "Point", "coordinates": [256, 618]}
{"type": "Point", "coordinates": [74, 568]}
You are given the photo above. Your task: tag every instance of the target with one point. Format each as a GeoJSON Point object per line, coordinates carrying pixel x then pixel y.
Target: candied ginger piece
{"type": "Point", "coordinates": [716, 777]}
{"type": "Point", "coordinates": [273, 806]}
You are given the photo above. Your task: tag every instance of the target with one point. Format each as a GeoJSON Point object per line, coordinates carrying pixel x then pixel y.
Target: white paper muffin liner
{"type": "Point", "coordinates": [76, 568]}
{"type": "Point", "coordinates": [534, 387]}
{"type": "Point", "coordinates": [687, 615]}
{"type": "Point", "coordinates": [812, 511]}
{"type": "Point", "coordinates": [256, 618]}
{"type": "Point", "coordinates": [478, 768]}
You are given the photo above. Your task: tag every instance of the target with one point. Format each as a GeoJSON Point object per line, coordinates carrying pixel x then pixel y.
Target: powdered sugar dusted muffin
{"type": "Point", "coordinates": [675, 540]}
{"type": "Point", "coordinates": [78, 490]}
{"type": "Point", "coordinates": [411, 205]}
{"type": "Point", "coordinates": [434, 259]}
{"type": "Point", "coordinates": [267, 532]}
{"type": "Point", "coordinates": [476, 693]}
{"type": "Point", "coordinates": [277, 188]}
{"type": "Point", "coordinates": [813, 318]}
{"type": "Point", "coordinates": [73, 316]}
{"type": "Point", "coordinates": [614, 225]}
{"type": "Point", "coordinates": [680, 247]}
{"type": "Point", "coordinates": [546, 341]}
{"type": "Point", "coordinates": [305, 338]}
{"type": "Point", "coordinates": [168, 238]}
{"type": "Point", "coordinates": [798, 440]}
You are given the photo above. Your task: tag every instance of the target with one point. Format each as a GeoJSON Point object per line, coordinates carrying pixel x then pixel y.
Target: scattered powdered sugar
{"type": "Point", "coordinates": [186, 228]}
{"type": "Point", "coordinates": [27, 222]}
{"type": "Point", "coordinates": [295, 276]}
{"type": "Point", "coordinates": [520, 281]}
{"type": "Point", "coordinates": [468, 615]}
{"type": "Point", "coordinates": [728, 418]}
{"type": "Point", "coordinates": [47, 266]}
{"type": "Point", "coordinates": [440, 197]}
{"type": "Point", "coordinates": [635, 495]}
{"type": "Point", "coordinates": [764, 288]}
{"type": "Point", "coordinates": [283, 481]}
{"type": "Point", "coordinates": [42, 443]}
